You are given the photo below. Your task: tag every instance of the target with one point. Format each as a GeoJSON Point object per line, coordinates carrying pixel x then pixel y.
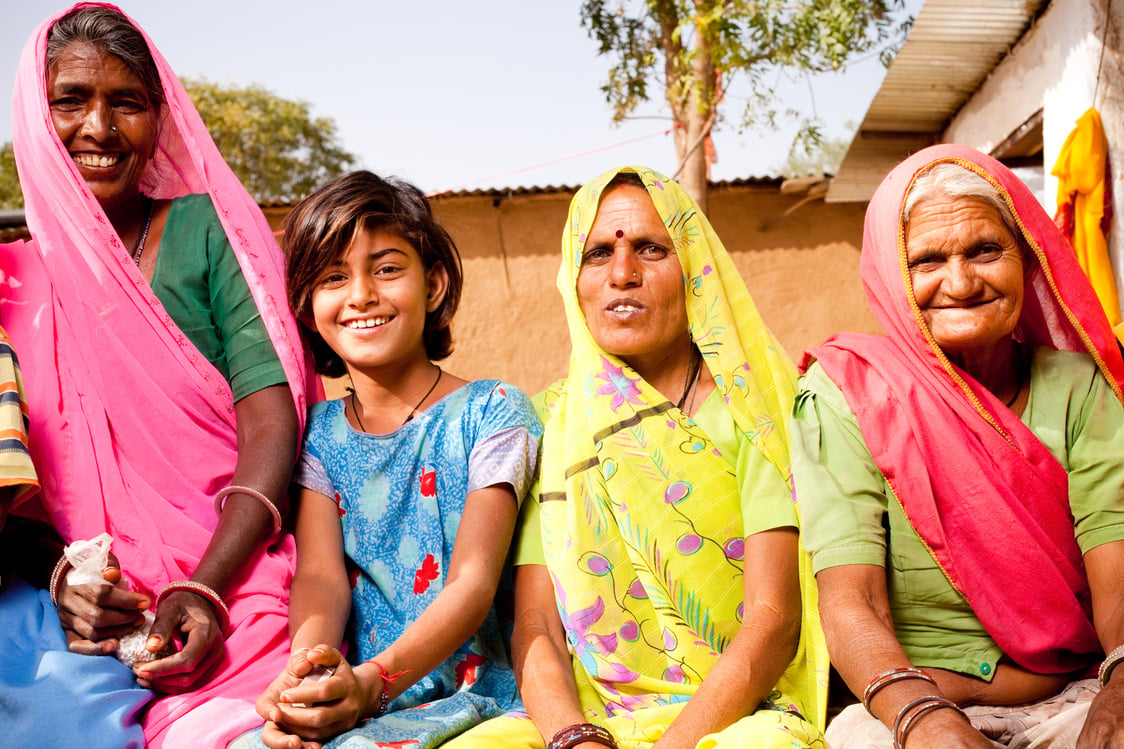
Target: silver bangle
{"type": "Point", "coordinates": [1111, 661]}
{"type": "Point", "coordinates": [220, 501]}
{"type": "Point", "coordinates": [61, 567]}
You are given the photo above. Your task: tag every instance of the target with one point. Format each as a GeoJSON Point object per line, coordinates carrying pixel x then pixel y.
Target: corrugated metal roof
{"type": "Point", "coordinates": [953, 46]}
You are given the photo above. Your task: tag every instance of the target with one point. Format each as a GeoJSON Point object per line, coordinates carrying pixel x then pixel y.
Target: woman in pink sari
{"type": "Point", "coordinates": [962, 477]}
{"type": "Point", "coordinates": [166, 380]}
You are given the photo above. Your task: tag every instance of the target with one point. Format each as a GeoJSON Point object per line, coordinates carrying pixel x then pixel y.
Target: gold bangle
{"type": "Point", "coordinates": [203, 591]}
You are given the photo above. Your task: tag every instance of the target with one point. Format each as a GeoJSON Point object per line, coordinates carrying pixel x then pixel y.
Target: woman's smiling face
{"type": "Point", "coordinates": [967, 271]}
{"type": "Point", "coordinates": [102, 114]}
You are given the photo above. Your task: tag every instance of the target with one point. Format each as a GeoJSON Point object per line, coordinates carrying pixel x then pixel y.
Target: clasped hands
{"type": "Point", "coordinates": [327, 707]}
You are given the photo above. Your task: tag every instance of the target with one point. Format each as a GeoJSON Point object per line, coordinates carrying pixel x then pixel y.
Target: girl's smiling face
{"type": "Point", "coordinates": [370, 305]}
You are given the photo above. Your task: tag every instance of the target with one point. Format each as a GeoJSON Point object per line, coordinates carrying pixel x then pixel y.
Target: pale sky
{"type": "Point", "coordinates": [445, 93]}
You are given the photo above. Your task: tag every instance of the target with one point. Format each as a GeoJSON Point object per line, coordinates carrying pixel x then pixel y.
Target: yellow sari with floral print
{"type": "Point", "coordinates": [641, 516]}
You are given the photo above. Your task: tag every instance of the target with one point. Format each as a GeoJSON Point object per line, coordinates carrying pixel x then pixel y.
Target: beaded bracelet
{"type": "Point", "coordinates": [579, 733]}
{"type": "Point", "coordinates": [220, 501]}
{"type": "Point", "coordinates": [203, 591]}
{"type": "Point", "coordinates": [889, 677]}
{"type": "Point", "coordinates": [1109, 665]}
{"type": "Point", "coordinates": [909, 714]}
{"type": "Point", "coordinates": [387, 678]}
{"type": "Point", "coordinates": [60, 569]}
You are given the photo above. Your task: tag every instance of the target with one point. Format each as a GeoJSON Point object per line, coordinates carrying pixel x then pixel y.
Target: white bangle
{"type": "Point", "coordinates": [61, 567]}
{"type": "Point", "coordinates": [1111, 661]}
{"type": "Point", "coordinates": [220, 501]}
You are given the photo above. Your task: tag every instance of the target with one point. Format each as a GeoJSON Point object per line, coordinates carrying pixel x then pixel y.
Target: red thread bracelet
{"type": "Point", "coordinates": [387, 678]}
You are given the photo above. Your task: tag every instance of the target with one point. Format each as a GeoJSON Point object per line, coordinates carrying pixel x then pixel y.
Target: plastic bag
{"type": "Point", "coordinates": [88, 560]}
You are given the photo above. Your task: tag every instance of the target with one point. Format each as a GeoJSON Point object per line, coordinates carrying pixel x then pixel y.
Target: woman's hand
{"type": "Point", "coordinates": [331, 706]}
{"type": "Point", "coordinates": [1104, 725]}
{"type": "Point", "coordinates": [93, 616]}
{"type": "Point", "coordinates": [192, 620]}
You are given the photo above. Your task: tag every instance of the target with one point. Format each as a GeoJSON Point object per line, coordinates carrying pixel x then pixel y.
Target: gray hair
{"type": "Point", "coordinates": [950, 180]}
{"type": "Point", "coordinates": [112, 33]}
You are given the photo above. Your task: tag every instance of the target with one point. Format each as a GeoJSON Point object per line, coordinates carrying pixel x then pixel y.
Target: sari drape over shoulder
{"type": "Point", "coordinates": [132, 429]}
{"type": "Point", "coordinates": [982, 492]}
{"type": "Point", "coordinates": [641, 518]}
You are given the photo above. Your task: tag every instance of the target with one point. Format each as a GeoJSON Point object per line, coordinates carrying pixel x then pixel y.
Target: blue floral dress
{"type": "Point", "coordinates": [400, 499]}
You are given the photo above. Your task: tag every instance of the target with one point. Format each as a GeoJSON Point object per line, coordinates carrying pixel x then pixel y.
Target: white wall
{"type": "Point", "coordinates": [1054, 67]}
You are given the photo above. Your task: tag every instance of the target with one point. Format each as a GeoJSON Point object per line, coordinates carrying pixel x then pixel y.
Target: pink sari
{"type": "Point", "coordinates": [133, 430]}
{"type": "Point", "coordinates": [982, 492]}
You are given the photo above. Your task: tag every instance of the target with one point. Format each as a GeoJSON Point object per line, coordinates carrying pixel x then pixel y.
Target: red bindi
{"type": "Point", "coordinates": [620, 233]}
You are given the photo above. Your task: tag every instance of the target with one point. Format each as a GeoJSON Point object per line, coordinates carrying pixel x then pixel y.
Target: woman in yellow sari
{"type": "Point", "coordinates": [662, 598]}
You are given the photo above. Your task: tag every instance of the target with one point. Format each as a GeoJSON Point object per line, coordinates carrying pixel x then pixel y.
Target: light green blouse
{"type": "Point", "coordinates": [766, 498]}
{"type": "Point", "coordinates": [200, 284]}
{"type": "Point", "coordinates": [846, 506]}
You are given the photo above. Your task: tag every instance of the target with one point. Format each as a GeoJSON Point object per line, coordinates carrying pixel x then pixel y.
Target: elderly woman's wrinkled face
{"type": "Point", "coordinates": [630, 285]}
{"type": "Point", "coordinates": [102, 115]}
{"type": "Point", "coordinates": [967, 272]}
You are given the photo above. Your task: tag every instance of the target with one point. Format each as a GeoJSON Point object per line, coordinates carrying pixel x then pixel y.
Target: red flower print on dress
{"type": "Point", "coordinates": [429, 482]}
{"type": "Point", "coordinates": [339, 505]}
{"type": "Point", "coordinates": [425, 574]}
{"type": "Point", "coordinates": [466, 669]}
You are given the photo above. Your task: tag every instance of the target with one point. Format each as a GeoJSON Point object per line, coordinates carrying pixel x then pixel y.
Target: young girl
{"type": "Point", "coordinates": [412, 460]}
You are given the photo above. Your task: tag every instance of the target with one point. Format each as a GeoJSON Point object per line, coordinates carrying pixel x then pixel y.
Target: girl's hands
{"type": "Point", "coordinates": [192, 620]}
{"type": "Point", "coordinates": [94, 616]}
{"type": "Point", "coordinates": [334, 705]}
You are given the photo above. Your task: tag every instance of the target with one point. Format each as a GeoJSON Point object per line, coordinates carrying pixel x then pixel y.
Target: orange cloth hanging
{"type": "Point", "coordinates": [1085, 207]}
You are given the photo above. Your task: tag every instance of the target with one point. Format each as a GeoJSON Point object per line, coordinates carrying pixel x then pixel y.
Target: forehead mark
{"type": "Point", "coordinates": [620, 233]}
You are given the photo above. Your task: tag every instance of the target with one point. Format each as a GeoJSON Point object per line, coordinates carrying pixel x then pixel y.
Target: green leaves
{"type": "Point", "coordinates": [279, 151]}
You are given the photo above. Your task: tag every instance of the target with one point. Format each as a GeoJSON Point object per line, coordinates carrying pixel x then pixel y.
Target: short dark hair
{"type": "Point", "coordinates": [323, 225]}
{"type": "Point", "coordinates": [112, 33]}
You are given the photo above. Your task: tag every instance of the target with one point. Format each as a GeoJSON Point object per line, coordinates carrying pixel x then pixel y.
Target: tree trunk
{"type": "Point", "coordinates": [694, 113]}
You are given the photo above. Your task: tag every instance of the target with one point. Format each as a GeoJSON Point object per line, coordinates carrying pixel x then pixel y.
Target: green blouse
{"type": "Point", "coordinates": [200, 284]}
{"type": "Point", "coordinates": [766, 497]}
{"type": "Point", "coordinates": [847, 507]}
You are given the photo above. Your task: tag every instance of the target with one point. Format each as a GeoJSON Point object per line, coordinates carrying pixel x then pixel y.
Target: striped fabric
{"type": "Point", "coordinates": [16, 470]}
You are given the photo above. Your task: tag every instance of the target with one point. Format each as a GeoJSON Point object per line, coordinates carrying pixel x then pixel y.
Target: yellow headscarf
{"type": "Point", "coordinates": [641, 515]}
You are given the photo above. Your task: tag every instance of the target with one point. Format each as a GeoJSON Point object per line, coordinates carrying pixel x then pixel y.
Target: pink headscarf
{"type": "Point", "coordinates": [132, 429]}
{"type": "Point", "coordinates": [980, 489]}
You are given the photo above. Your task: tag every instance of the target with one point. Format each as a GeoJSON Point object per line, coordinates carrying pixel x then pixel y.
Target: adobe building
{"type": "Point", "coordinates": [798, 255]}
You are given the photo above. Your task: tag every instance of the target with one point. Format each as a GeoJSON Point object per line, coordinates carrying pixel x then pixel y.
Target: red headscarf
{"type": "Point", "coordinates": [983, 493]}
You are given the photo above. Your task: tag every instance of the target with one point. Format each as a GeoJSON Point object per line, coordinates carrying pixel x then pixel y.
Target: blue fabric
{"type": "Point", "coordinates": [401, 496]}
{"type": "Point", "coordinates": [52, 697]}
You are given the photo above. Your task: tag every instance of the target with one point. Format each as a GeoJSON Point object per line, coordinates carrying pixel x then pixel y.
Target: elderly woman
{"type": "Point", "coordinates": [660, 580]}
{"type": "Point", "coordinates": [165, 380]}
{"type": "Point", "coordinates": [961, 478]}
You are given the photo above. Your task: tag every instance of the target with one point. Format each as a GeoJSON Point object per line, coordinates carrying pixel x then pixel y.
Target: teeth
{"type": "Point", "coordinates": [93, 160]}
{"type": "Point", "coordinates": [623, 308]}
{"type": "Point", "coordinates": [371, 322]}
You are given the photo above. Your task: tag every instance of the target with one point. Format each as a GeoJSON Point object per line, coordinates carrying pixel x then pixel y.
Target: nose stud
{"type": "Point", "coordinates": [113, 128]}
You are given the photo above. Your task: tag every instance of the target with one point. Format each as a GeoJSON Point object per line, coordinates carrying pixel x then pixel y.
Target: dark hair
{"type": "Point", "coordinates": [625, 178]}
{"type": "Point", "coordinates": [112, 33]}
{"type": "Point", "coordinates": [323, 225]}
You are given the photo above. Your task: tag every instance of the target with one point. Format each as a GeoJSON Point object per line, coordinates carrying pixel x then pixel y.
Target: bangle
{"type": "Point", "coordinates": [203, 591]}
{"type": "Point", "coordinates": [909, 714]}
{"type": "Point", "coordinates": [220, 501]}
{"type": "Point", "coordinates": [580, 733]}
{"type": "Point", "coordinates": [889, 677]}
{"type": "Point", "coordinates": [387, 678]}
{"type": "Point", "coordinates": [60, 569]}
{"type": "Point", "coordinates": [1111, 661]}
